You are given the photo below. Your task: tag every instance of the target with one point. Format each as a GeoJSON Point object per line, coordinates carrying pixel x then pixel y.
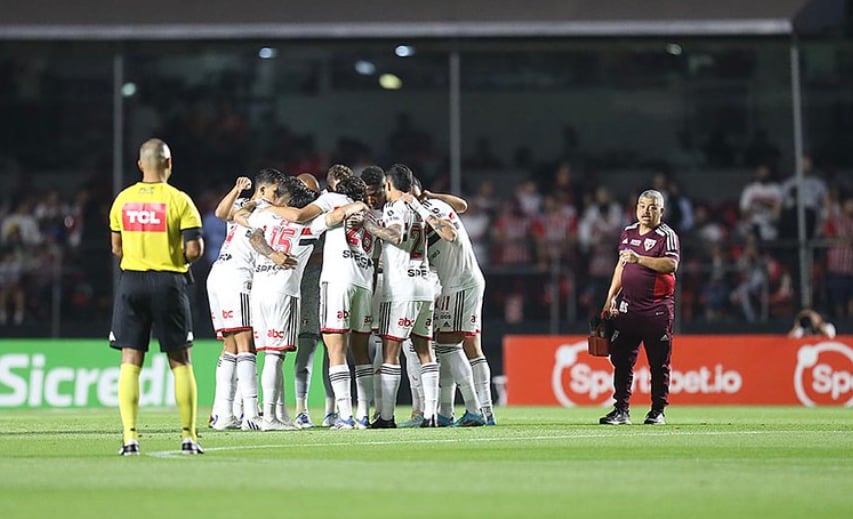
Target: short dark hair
{"type": "Point", "coordinates": [268, 176]}
{"type": "Point", "coordinates": [300, 195]}
{"type": "Point", "coordinates": [353, 187]}
{"type": "Point", "coordinates": [373, 176]}
{"type": "Point", "coordinates": [400, 176]}
{"type": "Point", "coordinates": [416, 182]}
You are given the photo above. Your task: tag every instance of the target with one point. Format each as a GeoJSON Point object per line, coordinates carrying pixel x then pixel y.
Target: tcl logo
{"type": "Point", "coordinates": [824, 374]}
{"type": "Point", "coordinates": [149, 217]}
{"type": "Point", "coordinates": [275, 334]}
{"type": "Point", "coordinates": [227, 314]}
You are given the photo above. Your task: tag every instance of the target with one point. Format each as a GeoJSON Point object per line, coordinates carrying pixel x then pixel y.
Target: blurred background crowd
{"type": "Point", "coordinates": [557, 139]}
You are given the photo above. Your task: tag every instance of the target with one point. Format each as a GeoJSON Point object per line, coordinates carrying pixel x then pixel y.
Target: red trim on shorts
{"type": "Point", "coordinates": [234, 330]}
{"type": "Point", "coordinates": [333, 330]}
{"type": "Point", "coordinates": [429, 338]}
{"type": "Point", "coordinates": [392, 338]}
{"type": "Point", "coordinates": [462, 332]}
{"type": "Point", "coordinates": [289, 347]}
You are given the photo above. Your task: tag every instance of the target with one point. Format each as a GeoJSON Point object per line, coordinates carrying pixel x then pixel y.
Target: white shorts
{"type": "Point", "coordinates": [228, 295]}
{"type": "Point", "coordinates": [399, 320]}
{"type": "Point", "coordinates": [460, 311]}
{"type": "Point", "coordinates": [309, 301]}
{"type": "Point", "coordinates": [275, 320]}
{"type": "Point", "coordinates": [345, 308]}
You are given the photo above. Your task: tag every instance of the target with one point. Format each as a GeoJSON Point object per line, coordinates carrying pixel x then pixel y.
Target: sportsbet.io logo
{"type": "Point", "coordinates": [587, 382]}
{"type": "Point", "coordinates": [824, 374]}
{"type": "Point", "coordinates": [580, 379]}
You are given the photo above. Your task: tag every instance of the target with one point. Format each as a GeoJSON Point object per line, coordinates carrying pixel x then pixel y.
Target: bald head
{"type": "Point", "coordinates": [154, 154]}
{"type": "Point", "coordinates": [310, 181]}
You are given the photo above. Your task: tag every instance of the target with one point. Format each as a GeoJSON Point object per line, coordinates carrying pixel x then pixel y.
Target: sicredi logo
{"type": "Point", "coordinates": [824, 374]}
{"type": "Point", "coordinates": [25, 381]}
{"type": "Point", "coordinates": [138, 216]}
{"type": "Point", "coordinates": [586, 380]}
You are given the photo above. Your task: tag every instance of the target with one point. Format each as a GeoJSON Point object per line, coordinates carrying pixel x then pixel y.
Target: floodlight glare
{"type": "Point", "coordinates": [390, 82]}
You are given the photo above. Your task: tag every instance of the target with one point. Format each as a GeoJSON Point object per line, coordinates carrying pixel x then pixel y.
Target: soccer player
{"type": "Point", "coordinates": [406, 299]}
{"type": "Point", "coordinates": [374, 181]}
{"type": "Point", "coordinates": [325, 202]}
{"type": "Point", "coordinates": [275, 294]}
{"type": "Point", "coordinates": [458, 305]}
{"type": "Point", "coordinates": [156, 231]}
{"type": "Point", "coordinates": [228, 287]}
{"type": "Point", "coordinates": [309, 330]}
{"type": "Point", "coordinates": [640, 300]}
{"type": "Point", "coordinates": [345, 298]}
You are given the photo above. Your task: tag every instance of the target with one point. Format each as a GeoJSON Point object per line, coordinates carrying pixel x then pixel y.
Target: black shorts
{"type": "Point", "coordinates": [151, 300]}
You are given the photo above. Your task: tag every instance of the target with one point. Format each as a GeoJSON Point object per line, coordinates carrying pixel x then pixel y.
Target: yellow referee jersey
{"type": "Point", "coordinates": [150, 218]}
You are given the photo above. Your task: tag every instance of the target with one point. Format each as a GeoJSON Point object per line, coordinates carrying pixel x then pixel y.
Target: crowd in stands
{"type": "Point", "coordinates": [550, 232]}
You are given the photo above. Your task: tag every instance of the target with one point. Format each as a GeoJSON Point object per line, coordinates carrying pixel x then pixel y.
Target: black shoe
{"type": "Point", "coordinates": [383, 424]}
{"type": "Point", "coordinates": [655, 417]}
{"type": "Point", "coordinates": [616, 417]}
{"type": "Point", "coordinates": [130, 448]}
{"type": "Point", "coordinates": [429, 422]}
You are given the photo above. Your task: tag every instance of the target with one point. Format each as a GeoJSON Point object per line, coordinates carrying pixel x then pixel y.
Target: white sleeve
{"type": "Point", "coordinates": [324, 202]}
{"type": "Point", "coordinates": [393, 215]}
{"type": "Point", "coordinates": [256, 220]}
{"type": "Point", "coordinates": [318, 226]}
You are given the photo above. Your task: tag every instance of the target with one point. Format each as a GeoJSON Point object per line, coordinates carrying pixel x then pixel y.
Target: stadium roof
{"type": "Point", "coordinates": [247, 19]}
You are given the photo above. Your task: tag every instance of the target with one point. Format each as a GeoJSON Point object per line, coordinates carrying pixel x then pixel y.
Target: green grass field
{"type": "Point", "coordinates": [538, 462]}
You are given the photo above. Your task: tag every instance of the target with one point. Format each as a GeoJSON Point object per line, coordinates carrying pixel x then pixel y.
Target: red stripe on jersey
{"type": "Point", "coordinates": [664, 286]}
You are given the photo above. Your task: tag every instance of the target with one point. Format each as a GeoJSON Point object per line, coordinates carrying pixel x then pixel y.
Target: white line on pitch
{"type": "Point", "coordinates": [172, 454]}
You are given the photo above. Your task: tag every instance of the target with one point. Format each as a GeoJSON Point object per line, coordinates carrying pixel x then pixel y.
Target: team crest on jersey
{"type": "Point", "coordinates": [649, 243]}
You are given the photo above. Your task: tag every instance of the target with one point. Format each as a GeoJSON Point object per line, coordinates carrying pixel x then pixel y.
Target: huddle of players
{"type": "Point", "coordinates": [382, 265]}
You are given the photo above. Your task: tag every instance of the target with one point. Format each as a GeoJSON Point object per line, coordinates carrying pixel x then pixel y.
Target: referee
{"type": "Point", "coordinates": [156, 231]}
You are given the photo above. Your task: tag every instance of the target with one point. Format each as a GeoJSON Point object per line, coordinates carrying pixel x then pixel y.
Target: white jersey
{"type": "Point", "coordinates": [347, 253]}
{"type": "Point", "coordinates": [293, 238]}
{"type": "Point", "coordinates": [455, 262]}
{"type": "Point", "coordinates": [405, 266]}
{"type": "Point", "coordinates": [236, 256]}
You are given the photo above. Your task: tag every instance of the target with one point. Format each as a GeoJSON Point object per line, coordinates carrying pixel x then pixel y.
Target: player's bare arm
{"type": "Point", "coordinates": [242, 214]}
{"type": "Point", "coordinates": [658, 264]}
{"type": "Point", "coordinates": [225, 209]}
{"type": "Point", "coordinates": [443, 227]}
{"type": "Point", "coordinates": [340, 214]}
{"type": "Point", "coordinates": [296, 215]}
{"type": "Point", "coordinates": [459, 204]}
{"type": "Point", "coordinates": [115, 241]}
{"type": "Point", "coordinates": [282, 259]}
{"type": "Point", "coordinates": [392, 234]}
